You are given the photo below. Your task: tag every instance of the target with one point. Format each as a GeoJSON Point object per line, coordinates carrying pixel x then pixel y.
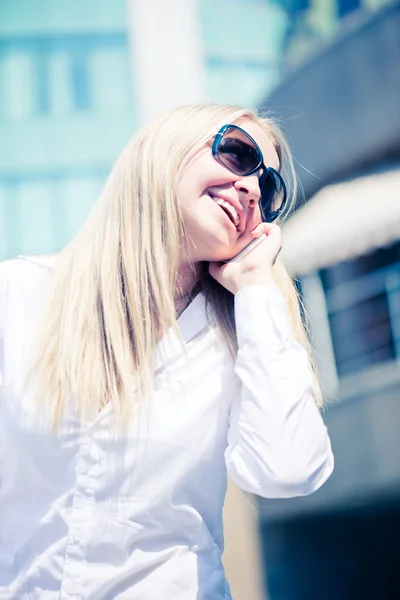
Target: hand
{"type": "Point", "coordinates": [256, 267]}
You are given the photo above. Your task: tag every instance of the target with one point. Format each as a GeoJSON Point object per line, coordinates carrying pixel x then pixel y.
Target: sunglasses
{"type": "Point", "coordinates": [236, 150]}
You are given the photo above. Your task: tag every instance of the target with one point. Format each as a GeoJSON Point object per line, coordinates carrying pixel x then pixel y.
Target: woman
{"type": "Point", "coordinates": [140, 365]}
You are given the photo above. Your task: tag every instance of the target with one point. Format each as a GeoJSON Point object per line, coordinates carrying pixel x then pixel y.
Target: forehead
{"type": "Point", "coordinates": [267, 147]}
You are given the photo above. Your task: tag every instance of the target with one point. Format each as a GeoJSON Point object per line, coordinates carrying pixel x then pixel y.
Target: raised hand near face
{"type": "Point", "coordinates": [254, 267]}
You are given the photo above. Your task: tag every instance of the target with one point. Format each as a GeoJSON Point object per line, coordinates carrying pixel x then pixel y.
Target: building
{"type": "Point", "coordinates": [343, 245]}
{"type": "Point", "coordinates": [66, 110]}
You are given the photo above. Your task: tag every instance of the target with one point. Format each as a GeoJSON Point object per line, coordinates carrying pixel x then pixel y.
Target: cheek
{"type": "Point", "coordinates": [193, 182]}
{"type": "Point", "coordinates": [184, 190]}
{"type": "Point", "coordinates": [253, 219]}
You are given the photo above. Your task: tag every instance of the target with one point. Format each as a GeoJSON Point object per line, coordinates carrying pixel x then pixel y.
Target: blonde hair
{"type": "Point", "coordinates": [113, 286]}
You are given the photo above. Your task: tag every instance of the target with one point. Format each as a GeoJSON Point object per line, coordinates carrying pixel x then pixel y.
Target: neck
{"type": "Point", "coordinates": [188, 277]}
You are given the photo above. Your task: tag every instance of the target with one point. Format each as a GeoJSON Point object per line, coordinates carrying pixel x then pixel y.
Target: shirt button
{"type": "Point", "coordinates": [81, 465]}
{"type": "Point", "coordinates": [76, 538]}
{"type": "Point", "coordinates": [69, 588]}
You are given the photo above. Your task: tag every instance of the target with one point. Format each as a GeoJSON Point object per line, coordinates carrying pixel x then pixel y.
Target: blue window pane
{"type": "Point", "coordinates": [110, 79]}
{"type": "Point", "coordinates": [243, 86]}
{"type": "Point", "coordinates": [243, 43]}
{"type": "Point", "coordinates": [19, 85]}
{"type": "Point", "coordinates": [3, 225]}
{"type": "Point", "coordinates": [11, 225]}
{"type": "Point", "coordinates": [247, 30]}
{"type": "Point", "coordinates": [79, 196]}
{"type": "Point", "coordinates": [34, 199]}
{"type": "Point", "coordinates": [60, 83]}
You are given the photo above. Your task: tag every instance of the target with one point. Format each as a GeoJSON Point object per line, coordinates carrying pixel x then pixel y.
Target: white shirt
{"type": "Point", "coordinates": [91, 514]}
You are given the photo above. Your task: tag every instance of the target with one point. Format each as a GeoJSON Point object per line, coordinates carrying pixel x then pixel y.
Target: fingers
{"type": "Point", "coordinates": [273, 233]}
{"type": "Point", "coordinates": [253, 266]}
{"type": "Point", "coordinates": [270, 229]}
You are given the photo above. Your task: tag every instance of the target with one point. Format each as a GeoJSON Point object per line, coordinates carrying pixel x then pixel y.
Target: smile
{"type": "Point", "coordinates": [228, 209]}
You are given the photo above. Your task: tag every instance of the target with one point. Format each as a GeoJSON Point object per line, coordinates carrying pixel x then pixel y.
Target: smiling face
{"type": "Point", "coordinates": [220, 208]}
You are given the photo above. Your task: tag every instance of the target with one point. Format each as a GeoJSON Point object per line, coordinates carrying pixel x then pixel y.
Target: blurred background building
{"type": "Point", "coordinates": [76, 80]}
{"type": "Point", "coordinates": [341, 110]}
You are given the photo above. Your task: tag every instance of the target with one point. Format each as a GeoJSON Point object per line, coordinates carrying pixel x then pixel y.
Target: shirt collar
{"type": "Point", "coordinates": [191, 322]}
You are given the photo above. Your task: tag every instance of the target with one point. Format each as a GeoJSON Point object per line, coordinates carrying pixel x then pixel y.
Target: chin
{"type": "Point", "coordinates": [222, 255]}
{"type": "Point", "coordinates": [216, 246]}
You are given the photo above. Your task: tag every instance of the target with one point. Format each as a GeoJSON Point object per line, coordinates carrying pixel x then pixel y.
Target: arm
{"type": "Point", "coordinates": [278, 445]}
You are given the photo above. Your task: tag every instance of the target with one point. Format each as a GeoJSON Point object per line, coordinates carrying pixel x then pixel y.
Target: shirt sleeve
{"type": "Point", "coordinates": [278, 444]}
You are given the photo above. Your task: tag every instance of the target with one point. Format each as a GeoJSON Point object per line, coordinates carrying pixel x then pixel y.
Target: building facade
{"type": "Point", "coordinates": [341, 111]}
{"type": "Point", "coordinates": [66, 109]}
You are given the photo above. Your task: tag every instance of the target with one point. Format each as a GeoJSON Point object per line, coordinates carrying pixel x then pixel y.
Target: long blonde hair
{"type": "Point", "coordinates": [112, 289]}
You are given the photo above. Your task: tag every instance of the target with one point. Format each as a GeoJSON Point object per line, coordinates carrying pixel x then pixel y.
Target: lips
{"type": "Point", "coordinates": [228, 208]}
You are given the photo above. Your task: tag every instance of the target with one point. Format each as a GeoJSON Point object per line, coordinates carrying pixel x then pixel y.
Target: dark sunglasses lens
{"type": "Point", "coordinates": [237, 152]}
{"type": "Point", "coordinates": [273, 195]}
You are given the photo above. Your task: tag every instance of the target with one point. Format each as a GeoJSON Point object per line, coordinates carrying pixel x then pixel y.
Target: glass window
{"type": "Point", "coordinates": [19, 87]}
{"type": "Point", "coordinates": [42, 216]}
{"type": "Point", "coordinates": [243, 40]}
{"type": "Point", "coordinates": [34, 201]}
{"type": "Point", "coordinates": [3, 224]}
{"type": "Point", "coordinates": [60, 83]}
{"type": "Point", "coordinates": [363, 301]}
{"type": "Point", "coordinates": [110, 79]}
{"type": "Point", "coordinates": [80, 194]}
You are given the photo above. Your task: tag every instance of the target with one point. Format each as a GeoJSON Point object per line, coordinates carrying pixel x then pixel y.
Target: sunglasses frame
{"type": "Point", "coordinates": [260, 165]}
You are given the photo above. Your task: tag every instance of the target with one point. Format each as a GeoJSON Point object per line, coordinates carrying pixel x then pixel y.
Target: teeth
{"type": "Point", "coordinates": [229, 209]}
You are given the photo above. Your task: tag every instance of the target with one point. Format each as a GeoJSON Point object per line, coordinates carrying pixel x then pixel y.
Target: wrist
{"type": "Point", "coordinates": [249, 279]}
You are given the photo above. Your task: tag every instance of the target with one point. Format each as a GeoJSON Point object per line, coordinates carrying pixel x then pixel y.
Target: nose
{"type": "Point", "coordinates": [249, 186]}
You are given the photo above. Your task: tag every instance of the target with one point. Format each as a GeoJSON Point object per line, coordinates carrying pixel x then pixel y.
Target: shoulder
{"type": "Point", "coordinates": [22, 274]}
{"type": "Point", "coordinates": [27, 266]}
